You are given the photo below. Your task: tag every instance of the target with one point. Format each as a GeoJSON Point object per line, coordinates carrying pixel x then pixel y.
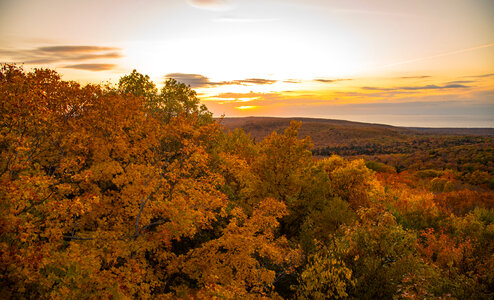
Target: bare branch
{"type": "Point", "coordinates": [160, 221]}
{"type": "Point", "coordinates": [143, 203]}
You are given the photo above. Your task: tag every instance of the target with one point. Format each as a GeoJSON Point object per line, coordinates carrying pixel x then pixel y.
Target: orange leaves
{"type": "Point", "coordinates": [105, 194]}
{"type": "Point", "coordinates": [444, 251]}
{"type": "Point", "coordinates": [235, 262]}
{"type": "Point", "coordinates": [462, 201]}
{"type": "Point", "coordinates": [105, 198]}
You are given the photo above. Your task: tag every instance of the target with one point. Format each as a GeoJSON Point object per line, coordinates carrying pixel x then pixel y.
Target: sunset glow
{"type": "Point", "coordinates": [246, 107]}
{"type": "Point", "coordinates": [417, 63]}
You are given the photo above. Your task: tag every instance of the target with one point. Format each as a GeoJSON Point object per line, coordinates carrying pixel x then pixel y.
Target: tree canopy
{"type": "Point", "coordinates": [175, 98]}
{"type": "Point", "coordinates": [129, 193]}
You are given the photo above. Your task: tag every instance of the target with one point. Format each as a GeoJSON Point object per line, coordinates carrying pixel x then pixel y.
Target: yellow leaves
{"type": "Point", "coordinates": [228, 265]}
{"type": "Point", "coordinates": [281, 164]}
{"type": "Point", "coordinates": [351, 180]}
{"type": "Point", "coordinates": [325, 276]}
{"type": "Point", "coordinates": [107, 200]}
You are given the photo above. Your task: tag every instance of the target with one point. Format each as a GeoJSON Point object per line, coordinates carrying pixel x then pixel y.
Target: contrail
{"type": "Point", "coordinates": [438, 55]}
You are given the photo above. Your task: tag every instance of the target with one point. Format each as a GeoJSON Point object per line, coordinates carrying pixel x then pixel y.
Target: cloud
{"type": "Point", "coordinates": [414, 77]}
{"type": "Point", "coordinates": [441, 55]}
{"type": "Point", "coordinates": [482, 76]}
{"type": "Point", "coordinates": [414, 88]}
{"type": "Point", "coordinates": [210, 4]}
{"type": "Point", "coordinates": [241, 95]}
{"type": "Point", "coordinates": [56, 54]}
{"type": "Point", "coordinates": [253, 81]}
{"type": "Point", "coordinates": [331, 80]}
{"type": "Point", "coordinates": [76, 49]}
{"type": "Point", "coordinates": [91, 67]}
{"type": "Point", "coordinates": [292, 81]}
{"type": "Point", "coordinates": [376, 93]}
{"type": "Point", "coordinates": [461, 81]}
{"type": "Point", "coordinates": [372, 88]}
{"type": "Point", "coordinates": [198, 80]}
{"type": "Point", "coordinates": [194, 80]}
{"type": "Point", "coordinates": [434, 87]}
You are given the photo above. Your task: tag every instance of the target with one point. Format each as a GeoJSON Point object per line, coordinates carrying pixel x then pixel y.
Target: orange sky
{"type": "Point", "coordinates": [411, 63]}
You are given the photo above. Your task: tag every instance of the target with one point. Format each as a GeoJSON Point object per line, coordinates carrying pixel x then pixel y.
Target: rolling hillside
{"type": "Point", "coordinates": [327, 132]}
{"type": "Point", "coordinates": [468, 152]}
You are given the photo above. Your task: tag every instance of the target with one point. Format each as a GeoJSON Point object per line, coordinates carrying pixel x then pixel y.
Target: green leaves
{"type": "Point", "coordinates": [137, 85]}
{"type": "Point", "coordinates": [174, 99]}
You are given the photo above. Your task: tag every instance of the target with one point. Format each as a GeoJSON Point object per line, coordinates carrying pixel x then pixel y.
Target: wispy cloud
{"type": "Point", "coordinates": [413, 88]}
{"type": "Point", "coordinates": [434, 87]}
{"type": "Point", "coordinates": [194, 80]}
{"type": "Point", "coordinates": [56, 54]}
{"type": "Point", "coordinates": [482, 75]}
{"type": "Point", "coordinates": [198, 80]}
{"type": "Point", "coordinates": [75, 49]}
{"type": "Point", "coordinates": [245, 96]}
{"type": "Point", "coordinates": [91, 67]}
{"type": "Point", "coordinates": [252, 81]}
{"type": "Point", "coordinates": [331, 80]}
{"type": "Point", "coordinates": [441, 55]}
{"type": "Point", "coordinates": [414, 77]}
{"type": "Point", "coordinates": [461, 81]}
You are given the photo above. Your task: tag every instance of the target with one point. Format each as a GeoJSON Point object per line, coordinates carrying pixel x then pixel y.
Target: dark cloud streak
{"type": "Point", "coordinates": [461, 81]}
{"type": "Point", "coordinates": [194, 80]}
{"type": "Point", "coordinates": [57, 54]}
{"type": "Point", "coordinates": [482, 76]}
{"type": "Point", "coordinates": [414, 88]}
{"type": "Point", "coordinates": [254, 81]}
{"type": "Point", "coordinates": [75, 49]}
{"type": "Point", "coordinates": [331, 80]}
{"type": "Point", "coordinates": [198, 80]}
{"type": "Point", "coordinates": [414, 77]}
{"type": "Point", "coordinates": [292, 81]}
{"type": "Point", "coordinates": [243, 95]}
{"type": "Point", "coordinates": [91, 67]}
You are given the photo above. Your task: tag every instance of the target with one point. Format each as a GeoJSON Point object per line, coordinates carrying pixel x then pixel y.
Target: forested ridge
{"type": "Point", "coordinates": [130, 191]}
{"type": "Point", "coordinates": [466, 153]}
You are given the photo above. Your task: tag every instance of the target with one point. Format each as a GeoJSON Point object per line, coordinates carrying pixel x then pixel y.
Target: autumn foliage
{"type": "Point", "coordinates": [130, 192]}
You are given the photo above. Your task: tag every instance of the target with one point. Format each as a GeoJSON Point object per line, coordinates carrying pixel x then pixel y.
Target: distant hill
{"type": "Point", "coordinates": [467, 151]}
{"type": "Point", "coordinates": [456, 131]}
{"type": "Point", "coordinates": [321, 131]}
{"type": "Point", "coordinates": [325, 132]}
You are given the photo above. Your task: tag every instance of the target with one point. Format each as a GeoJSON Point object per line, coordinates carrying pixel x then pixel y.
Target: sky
{"type": "Point", "coordinates": [427, 63]}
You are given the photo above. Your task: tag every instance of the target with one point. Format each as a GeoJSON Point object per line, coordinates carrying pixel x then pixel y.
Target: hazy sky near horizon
{"type": "Point", "coordinates": [411, 63]}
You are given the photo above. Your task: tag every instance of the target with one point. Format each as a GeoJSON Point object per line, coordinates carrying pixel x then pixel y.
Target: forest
{"type": "Point", "coordinates": [130, 191]}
